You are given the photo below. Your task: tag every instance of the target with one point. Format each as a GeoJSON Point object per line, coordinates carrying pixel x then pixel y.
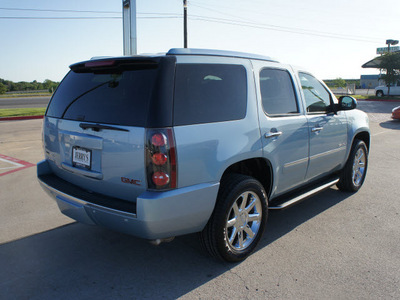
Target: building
{"type": "Point", "coordinates": [369, 81]}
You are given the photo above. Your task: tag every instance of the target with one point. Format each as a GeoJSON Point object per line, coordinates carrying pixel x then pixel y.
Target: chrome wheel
{"type": "Point", "coordinates": [238, 220]}
{"type": "Point", "coordinates": [359, 167]}
{"type": "Point", "coordinates": [243, 222]}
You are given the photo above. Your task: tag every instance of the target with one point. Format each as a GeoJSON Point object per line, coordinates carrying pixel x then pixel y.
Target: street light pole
{"type": "Point", "coordinates": [129, 26]}
{"type": "Point", "coordinates": [391, 42]}
{"type": "Point", "coordinates": [185, 45]}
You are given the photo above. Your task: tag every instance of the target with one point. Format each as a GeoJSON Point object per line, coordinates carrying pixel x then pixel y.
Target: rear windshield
{"type": "Point", "coordinates": [113, 97]}
{"type": "Point", "coordinates": [207, 93]}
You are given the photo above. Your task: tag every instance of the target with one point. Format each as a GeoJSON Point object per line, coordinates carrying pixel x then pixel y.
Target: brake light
{"type": "Point", "coordinates": [158, 140]}
{"type": "Point", "coordinates": [99, 63]}
{"type": "Point", "coordinates": [160, 178]}
{"type": "Point", "coordinates": [161, 159]}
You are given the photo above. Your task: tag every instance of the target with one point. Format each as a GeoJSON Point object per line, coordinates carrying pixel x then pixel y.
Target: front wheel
{"type": "Point", "coordinates": [238, 220]}
{"type": "Point", "coordinates": [355, 170]}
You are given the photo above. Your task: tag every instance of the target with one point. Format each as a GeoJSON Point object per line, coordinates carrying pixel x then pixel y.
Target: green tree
{"type": "Point", "coordinates": [339, 82]}
{"type": "Point", "coordinates": [390, 66]}
{"type": "Point", "coordinates": [3, 88]}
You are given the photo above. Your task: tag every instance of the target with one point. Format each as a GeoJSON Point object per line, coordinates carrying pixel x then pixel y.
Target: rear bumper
{"type": "Point", "coordinates": [155, 214]}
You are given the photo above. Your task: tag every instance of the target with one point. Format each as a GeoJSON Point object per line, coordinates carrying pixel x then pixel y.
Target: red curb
{"type": "Point", "coordinates": [380, 100]}
{"type": "Point", "coordinates": [20, 118]}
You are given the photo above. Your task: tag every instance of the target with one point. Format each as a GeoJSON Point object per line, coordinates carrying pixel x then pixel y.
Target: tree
{"type": "Point", "coordinates": [3, 88]}
{"type": "Point", "coordinates": [339, 82]}
{"type": "Point", "coordinates": [390, 65]}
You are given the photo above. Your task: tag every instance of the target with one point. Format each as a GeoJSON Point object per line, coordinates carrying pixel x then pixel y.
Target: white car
{"type": "Point", "coordinates": [382, 90]}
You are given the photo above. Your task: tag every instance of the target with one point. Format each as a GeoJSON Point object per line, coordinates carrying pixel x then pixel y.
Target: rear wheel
{"type": "Point", "coordinates": [379, 93]}
{"type": "Point", "coordinates": [353, 174]}
{"type": "Point", "coordinates": [238, 220]}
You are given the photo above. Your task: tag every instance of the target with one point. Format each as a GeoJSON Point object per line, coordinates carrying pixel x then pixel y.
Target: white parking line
{"type": "Point", "coordinates": [16, 165]}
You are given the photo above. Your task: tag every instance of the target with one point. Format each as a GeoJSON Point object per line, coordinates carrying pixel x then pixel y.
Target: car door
{"type": "Point", "coordinates": [395, 90]}
{"type": "Point", "coordinates": [283, 125]}
{"type": "Point", "coordinates": [327, 129]}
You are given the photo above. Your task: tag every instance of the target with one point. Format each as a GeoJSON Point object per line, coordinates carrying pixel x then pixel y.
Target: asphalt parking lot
{"type": "Point", "coordinates": [332, 246]}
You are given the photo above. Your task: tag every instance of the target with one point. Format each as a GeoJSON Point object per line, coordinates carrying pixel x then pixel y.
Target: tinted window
{"type": "Point", "coordinates": [317, 97]}
{"type": "Point", "coordinates": [207, 93]}
{"type": "Point", "coordinates": [114, 98]}
{"type": "Point", "coordinates": [277, 92]}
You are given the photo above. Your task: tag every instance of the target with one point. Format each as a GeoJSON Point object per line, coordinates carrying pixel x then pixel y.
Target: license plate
{"type": "Point", "coordinates": [81, 157]}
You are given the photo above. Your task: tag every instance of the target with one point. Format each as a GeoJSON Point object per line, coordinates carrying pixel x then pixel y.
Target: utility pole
{"type": "Point", "coordinates": [185, 45]}
{"type": "Point", "coordinates": [129, 26]}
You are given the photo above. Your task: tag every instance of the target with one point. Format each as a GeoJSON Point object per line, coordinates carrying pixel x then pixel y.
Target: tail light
{"type": "Point", "coordinates": [160, 159]}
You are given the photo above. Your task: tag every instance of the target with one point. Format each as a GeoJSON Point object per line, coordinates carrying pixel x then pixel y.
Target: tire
{"type": "Point", "coordinates": [238, 220]}
{"type": "Point", "coordinates": [379, 93]}
{"type": "Point", "coordinates": [355, 170]}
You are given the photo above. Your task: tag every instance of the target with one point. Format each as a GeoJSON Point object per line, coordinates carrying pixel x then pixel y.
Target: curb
{"type": "Point", "coordinates": [380, 100]}
{"type": "Point", "coordinates": [21, 118]}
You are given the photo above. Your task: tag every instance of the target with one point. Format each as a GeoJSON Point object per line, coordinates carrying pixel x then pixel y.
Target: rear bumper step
{"type": "Point", "coordinates": [76, 194]}
{"type": "Point", "coordinates": [295, 198]}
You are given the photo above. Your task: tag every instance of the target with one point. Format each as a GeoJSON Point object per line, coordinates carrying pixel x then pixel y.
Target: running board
{"type": "Point", "coordinates": [297, 198]}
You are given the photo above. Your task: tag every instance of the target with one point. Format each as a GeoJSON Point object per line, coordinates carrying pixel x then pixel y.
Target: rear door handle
{"type": "Point", "coordinates": [272, 134]}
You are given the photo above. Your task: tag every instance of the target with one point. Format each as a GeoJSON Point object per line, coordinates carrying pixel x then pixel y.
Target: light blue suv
{"type": "Point", "coordinates": [196, 141]}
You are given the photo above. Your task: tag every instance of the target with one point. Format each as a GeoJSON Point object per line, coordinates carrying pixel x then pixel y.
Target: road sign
{"type": "Point", "coordinates": [384, 50]}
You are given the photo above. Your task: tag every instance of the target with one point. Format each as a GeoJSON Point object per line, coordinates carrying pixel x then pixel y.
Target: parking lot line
{"type": "Point", "coordinates": [16, 164]}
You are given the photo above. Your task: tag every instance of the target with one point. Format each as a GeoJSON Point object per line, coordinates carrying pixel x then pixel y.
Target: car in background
{"type": "Point", "coordinates": [383, 90]}
{"type": "Point", "coordinates": [396, 113]}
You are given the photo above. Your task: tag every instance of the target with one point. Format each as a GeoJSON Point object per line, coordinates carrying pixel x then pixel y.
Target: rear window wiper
{"type": "Point", "coordinates": [81, 95]}
{"type": "Point", "coordinates": [98, 127]}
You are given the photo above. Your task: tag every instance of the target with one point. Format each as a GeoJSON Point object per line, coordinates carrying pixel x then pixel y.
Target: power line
{"type": "Point", "coordinates": [284, 28]}
{"type": "Point", "coordinates": [83, 11]}
{"type": "Point", "coordinates": [60, 10]}
{"type": "Point", "coordinates": [58, 18]}
{"type": "Point", "coordinates": [278, 28]}
{"type": "Point", "coordinates": [236, 22]}
{"type": "Point", "coordinates": [85, 18]}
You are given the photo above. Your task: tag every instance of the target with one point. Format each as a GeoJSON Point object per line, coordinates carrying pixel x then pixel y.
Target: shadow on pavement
{"type": "Point", "coordinates": [84, 262]}
{"type": "Point", "coordinates": [392, 124]}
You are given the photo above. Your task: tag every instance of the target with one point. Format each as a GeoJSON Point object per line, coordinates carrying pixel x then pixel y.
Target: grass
{"type": "Point", "coordinates": [25, 95]}
{"type": "Point", "coordinates": [19, 112]}
{"type": "Point", "coordinates": [371, 97]}
{"type": "Point", "coordinates": [380, 98]}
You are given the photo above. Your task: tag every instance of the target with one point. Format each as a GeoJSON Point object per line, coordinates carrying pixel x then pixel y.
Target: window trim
{"type": "Point", "coordinates": [298, 113]}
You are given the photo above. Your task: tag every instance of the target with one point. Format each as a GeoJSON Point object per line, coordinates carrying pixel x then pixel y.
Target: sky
{"type": "Point", "coordinates": [332, 39]}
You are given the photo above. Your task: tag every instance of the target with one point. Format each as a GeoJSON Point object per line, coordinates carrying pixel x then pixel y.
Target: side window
{"type": "Point", "coordinates": [317, 97]}
{"type": "Point", "coordinates": [206, 93]}
{"type": "Point", "coordinates": [277, 92]}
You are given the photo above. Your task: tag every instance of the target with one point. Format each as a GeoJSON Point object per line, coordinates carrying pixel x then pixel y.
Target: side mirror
{"type": "Point", "coordinates": [347, 103]}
